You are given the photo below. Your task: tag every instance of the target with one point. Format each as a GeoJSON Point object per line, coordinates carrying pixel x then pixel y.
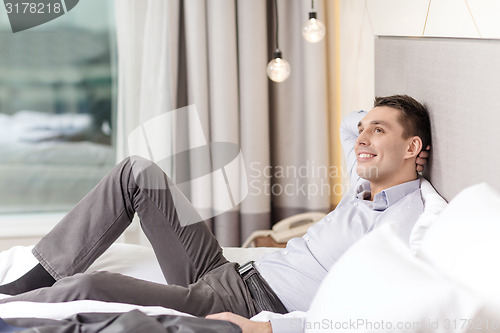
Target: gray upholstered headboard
{"type": "Point", "coordinates": [459, 81]}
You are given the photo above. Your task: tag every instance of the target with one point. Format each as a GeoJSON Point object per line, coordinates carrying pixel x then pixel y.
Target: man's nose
{"type": "Point", "coordinates": [362, 139]}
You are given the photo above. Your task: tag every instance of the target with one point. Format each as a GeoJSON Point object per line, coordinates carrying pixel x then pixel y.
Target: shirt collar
{"type": "Point", "coordinates": [389, 196]}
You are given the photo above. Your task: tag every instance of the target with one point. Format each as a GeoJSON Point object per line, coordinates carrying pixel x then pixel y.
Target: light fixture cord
{"type": "Point", "coordinates": [312, 5]}
{"type": "Point", "coordinates": [276, 22]}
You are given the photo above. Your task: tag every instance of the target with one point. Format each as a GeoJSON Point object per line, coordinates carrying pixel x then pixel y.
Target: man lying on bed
{"type": "Point", "coordinates": [385, 144]}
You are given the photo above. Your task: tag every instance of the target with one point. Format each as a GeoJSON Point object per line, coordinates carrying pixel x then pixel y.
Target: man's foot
{"type": "Point", "coordinates": [36, 278]}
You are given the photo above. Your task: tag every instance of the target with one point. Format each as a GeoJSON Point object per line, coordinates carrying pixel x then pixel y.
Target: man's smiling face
{"type": "Point", "coordinates": [381, 148]}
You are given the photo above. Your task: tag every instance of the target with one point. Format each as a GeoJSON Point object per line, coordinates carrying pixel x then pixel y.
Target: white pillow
{"type": "Point", "coordinates": [132, 260]}
{"type": "Point", "coordinates": [464, 240]}
{"type": "Point", "coordinates": [433, 205]}
{"type": "Point", "coordinates": [15, 262]}
{"type": "Point", "coordinates": [378, 285]}
{"type": "Point", "coordinates": [128, 259]}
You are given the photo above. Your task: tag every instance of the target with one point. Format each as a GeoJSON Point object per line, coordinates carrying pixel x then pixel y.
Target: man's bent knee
{"type": "Point", "coordinates": [147, 174]}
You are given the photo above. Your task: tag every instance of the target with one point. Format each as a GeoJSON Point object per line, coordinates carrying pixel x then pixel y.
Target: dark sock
{"type": "Point", "coordinates": [36, 278]}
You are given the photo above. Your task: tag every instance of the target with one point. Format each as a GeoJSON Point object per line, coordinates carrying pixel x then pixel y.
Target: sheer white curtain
{"type": "Point", "coordinates": [211, 56]}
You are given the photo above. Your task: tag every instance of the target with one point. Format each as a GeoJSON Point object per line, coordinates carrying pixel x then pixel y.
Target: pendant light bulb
{"type": "Point", "coordinates": [313, 31]}
{"type": "Point", "coordinates": [278, 69]}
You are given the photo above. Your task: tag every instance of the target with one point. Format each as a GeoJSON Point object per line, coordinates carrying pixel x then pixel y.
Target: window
{"type": "Point", "coordinates": [57, 102]}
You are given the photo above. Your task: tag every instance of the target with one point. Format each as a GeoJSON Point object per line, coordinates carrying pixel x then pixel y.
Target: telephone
{"type": "Point", "coordinates": [286, 229]}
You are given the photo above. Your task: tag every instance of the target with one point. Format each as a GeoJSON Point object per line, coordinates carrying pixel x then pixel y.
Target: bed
{"type": "Point", "coordinates": [129, 259]}
{"type": "Point", "coordinates": [447, 280]}
{"type": "Point", "coordinates": [379, 280]}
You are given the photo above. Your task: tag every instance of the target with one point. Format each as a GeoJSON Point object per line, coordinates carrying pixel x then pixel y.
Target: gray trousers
{"type": "Point", "coordinates": [201, 281]}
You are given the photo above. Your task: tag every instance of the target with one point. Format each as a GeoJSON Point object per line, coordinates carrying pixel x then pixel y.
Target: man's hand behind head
{"type": "Point", "coordinates": [422, 159]}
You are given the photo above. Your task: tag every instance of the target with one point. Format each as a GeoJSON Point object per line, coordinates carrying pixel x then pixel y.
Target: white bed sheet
{"type": "Point", "coordinates": [128, 259]}
{"type": "Point", "coordinates": [58, 311]}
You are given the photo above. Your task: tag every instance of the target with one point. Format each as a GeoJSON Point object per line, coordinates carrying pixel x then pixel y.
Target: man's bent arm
{"type": "Point", "coordinates": [348, 135]}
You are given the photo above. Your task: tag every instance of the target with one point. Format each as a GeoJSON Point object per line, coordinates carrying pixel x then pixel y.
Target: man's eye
{"type": "Point", "coordinates": [379, 130]}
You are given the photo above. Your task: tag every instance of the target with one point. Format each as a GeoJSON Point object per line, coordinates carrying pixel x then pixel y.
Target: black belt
{"type": "Point", "coordinates": [264, 297]}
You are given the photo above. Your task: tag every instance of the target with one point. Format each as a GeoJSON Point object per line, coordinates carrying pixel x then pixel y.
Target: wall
{"type": "Point", "coordinates": [362, 20]}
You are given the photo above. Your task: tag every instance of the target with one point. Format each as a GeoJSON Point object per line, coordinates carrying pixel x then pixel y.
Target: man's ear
{"type": "Point", "coordinates": [414, 147]}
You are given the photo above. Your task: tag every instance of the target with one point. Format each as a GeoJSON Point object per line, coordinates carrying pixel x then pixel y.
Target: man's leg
{"type": "Point", "coordinates": [220, 290]}
{"type": "Point", "coordinates": [185, 253]}
{"type": "Point", "coordinates": [135, 185]}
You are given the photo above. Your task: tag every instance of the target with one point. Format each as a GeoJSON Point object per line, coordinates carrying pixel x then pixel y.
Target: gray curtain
{"type": "Point", "coordinates": [207, 60]}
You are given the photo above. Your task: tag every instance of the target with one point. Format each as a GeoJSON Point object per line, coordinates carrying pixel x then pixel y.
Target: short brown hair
{"type": "Point", "coordinates": [414, 116]}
